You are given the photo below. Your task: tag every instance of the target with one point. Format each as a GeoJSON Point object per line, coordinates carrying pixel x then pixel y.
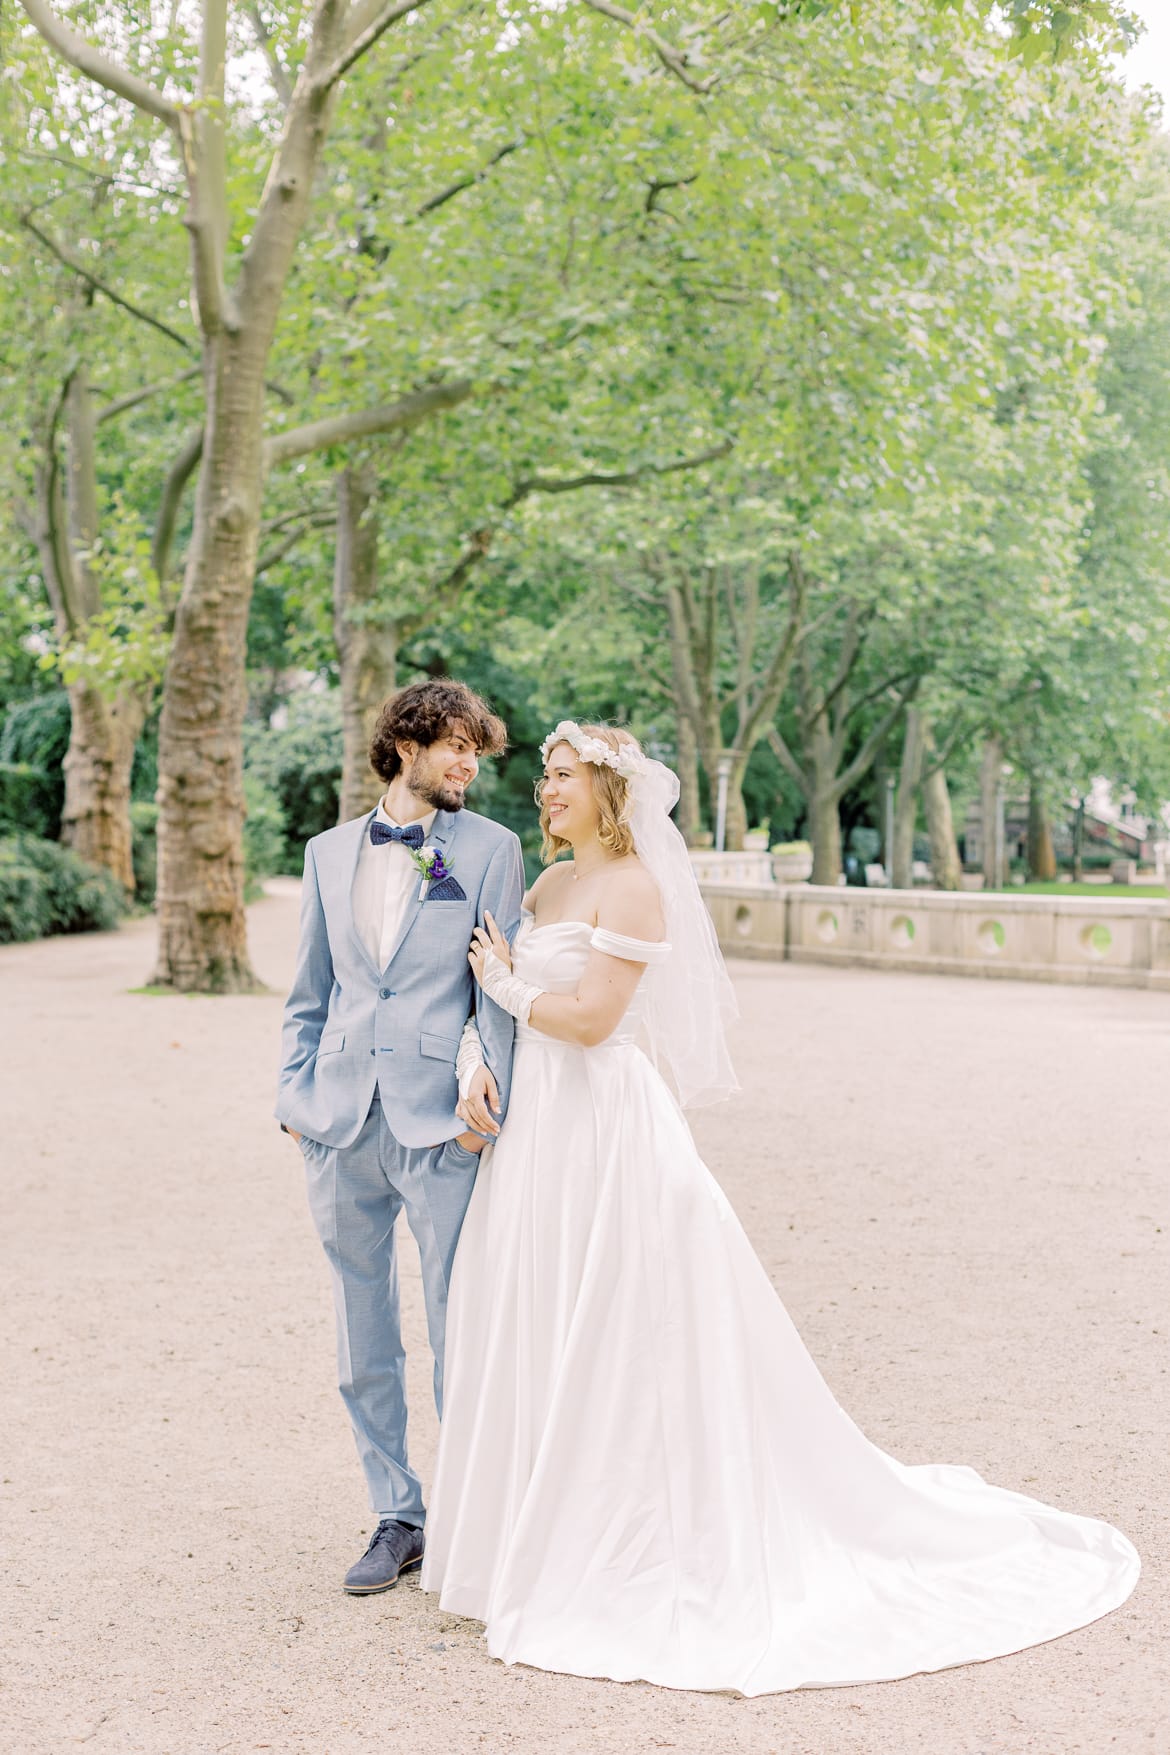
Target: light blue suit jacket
{"type": "Point", "coordinates": [351, 1028]}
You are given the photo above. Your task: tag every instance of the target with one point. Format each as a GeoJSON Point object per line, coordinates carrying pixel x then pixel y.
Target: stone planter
{"type": "Point", "coordinates": [792, 868]}
{"type": "Point", "coordinates": [755, 841]}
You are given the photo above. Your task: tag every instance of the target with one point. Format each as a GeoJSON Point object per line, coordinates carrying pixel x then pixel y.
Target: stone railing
{"type": "Point", "coordinates": [1122, 943]}
{"type": "Point", "coordinates": [732, 868]}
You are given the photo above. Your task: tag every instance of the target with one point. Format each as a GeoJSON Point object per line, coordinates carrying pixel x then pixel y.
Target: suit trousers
{"type": "Point", "coordinates": [356, 1193]}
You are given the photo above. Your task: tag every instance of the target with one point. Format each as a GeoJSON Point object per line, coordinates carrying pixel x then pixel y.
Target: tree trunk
{"type": "Point", "coordinates": [367, 646]}
{"type": "Point", "coordinates": [1041, 853]}
{"type": "Point", "coordinates": [991, 798]}
{"type": "Point", "coordinates": [202, 937]}
{"type": "Point", "coordinates": [96, 820]}
{"type": "Point", "coordinates": [824, 802]}
{"type": "Point", "coordinates": [737, 823]}
{"type": "Point", "coordinates": [906, 804]}
{"type": "Point", "coordinates": [688, 815]}
{"type": "Point", "coordinates": [824, 818]}
{"type": "Point", "coordinates": [940, 826]}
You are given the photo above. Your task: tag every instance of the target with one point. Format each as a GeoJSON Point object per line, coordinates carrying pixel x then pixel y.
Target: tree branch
{"type": "Point", "coordinates": [170, 500]}
{"type": "Point", "coordinates": [454, 189]}
{"type": "Point", "coordinates": [102, 287]}
{"type": "Point", "coordinates": [787, 760]}
{"type": "Point", "coordinates": [278, 73]}
{"type": "Point", "coordinates": [122, 403]}
{"type": "Point", "coordinates": [365, 40]}
{"type": "Point", "coordinates": [94, 65]}
{"type": "Point", "coordinates": [392, 417]}
{"type": "Point", "coordinates": [863, 760]}
{"type": "Point", "coordinates": [673, 59]}
{"type": "Point", "coordinates": [538, 484]}
{"type": "Point", "coordinates": [278, 550]}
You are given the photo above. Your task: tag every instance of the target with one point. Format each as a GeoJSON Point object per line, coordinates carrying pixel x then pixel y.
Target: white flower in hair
{"type": "Point", "coordinates": [626, 761]}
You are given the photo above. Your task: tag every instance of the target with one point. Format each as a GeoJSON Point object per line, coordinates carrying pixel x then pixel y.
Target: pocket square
{"type": "Point", "coordinates": [447, 889]}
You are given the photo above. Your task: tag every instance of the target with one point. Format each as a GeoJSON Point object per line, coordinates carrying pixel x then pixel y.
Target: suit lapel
{"type": "Point", "coordinates": [442, 835]}
{"type": "Point", "coordinates": [350, 867]}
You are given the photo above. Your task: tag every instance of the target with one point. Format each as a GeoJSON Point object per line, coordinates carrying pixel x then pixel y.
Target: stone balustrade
{"type": "Point", "coordinates": [732, 868]}
{"type": "Point", "coordinates": [1122, 943]}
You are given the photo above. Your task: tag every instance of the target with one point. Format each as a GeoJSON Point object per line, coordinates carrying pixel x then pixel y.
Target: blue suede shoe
{"type": "Point", "coordinates": [394, 1548]}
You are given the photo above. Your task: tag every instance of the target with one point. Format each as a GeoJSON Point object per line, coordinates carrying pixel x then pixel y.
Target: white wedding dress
{"type": "Point", "coordinates": [642, 1473]}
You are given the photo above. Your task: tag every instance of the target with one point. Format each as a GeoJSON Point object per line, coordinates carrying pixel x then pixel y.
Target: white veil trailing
{"type": "Point", "coordinates": [690, 1001]}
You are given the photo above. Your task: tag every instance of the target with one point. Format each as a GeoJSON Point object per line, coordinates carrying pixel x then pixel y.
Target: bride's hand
{"type": "Point", "coordinates": [484, 941]}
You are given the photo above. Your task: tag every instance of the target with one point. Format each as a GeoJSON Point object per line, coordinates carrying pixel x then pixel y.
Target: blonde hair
{"type": "Point", "coordinates": [611, 795]}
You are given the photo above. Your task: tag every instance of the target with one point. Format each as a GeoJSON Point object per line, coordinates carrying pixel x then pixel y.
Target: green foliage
{"type": "Point", "coordinates": [296, 768]}
{"type": "Point", "coordinates": [264, 833]}
{"type": "Point", "coordinates": [23, 799]}
{"type": "Point", "coordinates": [46, 889]}
{"type": "Point", "coordinates": [144, 849]}
{"type": "Point", "coordinates": [34, 735]}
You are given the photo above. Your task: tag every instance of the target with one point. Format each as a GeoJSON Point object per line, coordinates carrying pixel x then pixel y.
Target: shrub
{"type": "Point", "coordinates": [299, 763]}
{"type": "Point", "coordinates": [44, 889]}
{"type": "Point", "coordinates": [35, 734]}
{"type": "Point", "coordinates": [144, 849]}
{"type": "Point", "coordinates": [25, 802]}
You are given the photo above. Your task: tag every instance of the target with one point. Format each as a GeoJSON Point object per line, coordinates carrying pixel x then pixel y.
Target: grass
{"type": "Point", "coordinates": [1114, 892]}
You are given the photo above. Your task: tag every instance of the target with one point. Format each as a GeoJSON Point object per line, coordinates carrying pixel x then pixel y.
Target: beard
{"type": "Point", "coordinates": [433, 788]}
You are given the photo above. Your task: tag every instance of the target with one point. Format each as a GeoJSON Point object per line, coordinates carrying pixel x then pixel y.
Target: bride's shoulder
{"type": "Point", "coordinates": [547, 881]}
{"type": "Point", "coordinates": [629, 902]}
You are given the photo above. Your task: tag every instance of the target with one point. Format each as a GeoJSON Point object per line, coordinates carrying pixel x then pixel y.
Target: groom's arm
{"type": "Point", "coordinates": [307, 1005]}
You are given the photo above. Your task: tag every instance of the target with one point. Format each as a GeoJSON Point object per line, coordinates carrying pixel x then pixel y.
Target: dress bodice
{"type": "Point", "coordinates": [553, 958]}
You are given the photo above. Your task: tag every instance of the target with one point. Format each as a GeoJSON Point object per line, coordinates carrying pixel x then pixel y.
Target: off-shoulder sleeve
{"type": "Point", "coordinates": [634, 950]}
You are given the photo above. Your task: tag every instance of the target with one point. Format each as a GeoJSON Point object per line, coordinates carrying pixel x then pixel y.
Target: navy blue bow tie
{"type": "Point", "coordinates": [380, 833]}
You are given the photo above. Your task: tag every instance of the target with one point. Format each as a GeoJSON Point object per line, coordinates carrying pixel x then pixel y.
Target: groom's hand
{"type": "Point", "coordinates": [474, 1110]}
{"type": "Point", "coordinates": [471, 1142]}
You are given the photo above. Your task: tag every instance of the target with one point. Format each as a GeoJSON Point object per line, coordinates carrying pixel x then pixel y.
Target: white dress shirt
{"type": "Point", "coordinates": [385, 882]}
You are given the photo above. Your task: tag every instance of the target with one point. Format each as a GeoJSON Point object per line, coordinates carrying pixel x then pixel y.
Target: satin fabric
{"type": "Point", "coordinates": [641, 1472]}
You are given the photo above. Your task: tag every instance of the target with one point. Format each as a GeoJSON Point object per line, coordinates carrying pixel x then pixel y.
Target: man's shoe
{"type": "Point", "coordinates": [394, 1548]}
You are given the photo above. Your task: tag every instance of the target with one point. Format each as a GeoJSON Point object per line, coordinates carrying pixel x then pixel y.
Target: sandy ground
{"type": "Point", "coordinates": [959, 1188]}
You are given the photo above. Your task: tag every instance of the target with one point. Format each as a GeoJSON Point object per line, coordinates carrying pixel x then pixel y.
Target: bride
{"type": "Point", "coordinates": [641, 1472]}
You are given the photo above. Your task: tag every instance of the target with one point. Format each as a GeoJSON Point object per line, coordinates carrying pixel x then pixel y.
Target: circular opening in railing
{"type": "Point", "coordinates": [902, 931]}
{"type": "Point", "coordinates": [991, 938]}
{"type": "Point", "coordinates": [827, 926]}
{"type": "Point", "coordinates": [1096, 940]}
{"type": "Point", "coordinates": [743, 920]}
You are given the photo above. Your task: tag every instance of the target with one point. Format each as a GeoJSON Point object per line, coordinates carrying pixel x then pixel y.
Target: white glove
{"type": "Point", "coordinates": [508, 991]}
{"type": "Point", "coordinates": [469, 1058]}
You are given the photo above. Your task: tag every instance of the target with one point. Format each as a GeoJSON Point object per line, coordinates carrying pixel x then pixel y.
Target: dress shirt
{"type": "Point", "coordinates": [385, 882]}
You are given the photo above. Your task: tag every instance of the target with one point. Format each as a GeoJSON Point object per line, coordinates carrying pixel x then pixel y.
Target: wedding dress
{"type": "Point", "coordinates": [641, 1473]}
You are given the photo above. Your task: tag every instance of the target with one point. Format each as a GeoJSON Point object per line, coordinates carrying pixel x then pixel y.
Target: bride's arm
{"type": "Point", "coordinates": [630, 909]}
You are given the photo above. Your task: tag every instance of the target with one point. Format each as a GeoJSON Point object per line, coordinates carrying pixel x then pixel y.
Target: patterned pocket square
{"type": "Point", "coordinates": [447, 889]}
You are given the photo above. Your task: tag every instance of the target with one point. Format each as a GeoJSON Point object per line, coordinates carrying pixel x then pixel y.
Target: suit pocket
{"type": "Point", "coordinates": [332, 1041]}
{"type": "Point", "coordinates": [438, 1047]}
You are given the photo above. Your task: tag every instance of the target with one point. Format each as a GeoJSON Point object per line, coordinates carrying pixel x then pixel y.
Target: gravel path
{"type": "Point", "coordinates": [959, 1187]}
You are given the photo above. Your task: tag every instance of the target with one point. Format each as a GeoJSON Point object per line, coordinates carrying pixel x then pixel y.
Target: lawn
{"type": "Point", "coordinates": [1115, 892]}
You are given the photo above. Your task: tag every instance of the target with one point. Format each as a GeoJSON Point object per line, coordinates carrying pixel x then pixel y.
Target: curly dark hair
{"type": "Point", "coordinates": [423, 712]}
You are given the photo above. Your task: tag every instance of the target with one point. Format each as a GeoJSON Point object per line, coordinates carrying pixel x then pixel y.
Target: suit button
{"type": "Point", "coordinates": [372, 1051]}
{"type": "Point", "coordinates": [384, 993]}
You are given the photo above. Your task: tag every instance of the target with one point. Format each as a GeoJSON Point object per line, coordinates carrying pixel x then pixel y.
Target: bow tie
{"type": "Point", "coordinates": [380, 833]}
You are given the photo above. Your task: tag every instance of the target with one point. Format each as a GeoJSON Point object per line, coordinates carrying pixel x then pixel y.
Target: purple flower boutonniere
{"type": "Point", "coordinates": [430, 862]}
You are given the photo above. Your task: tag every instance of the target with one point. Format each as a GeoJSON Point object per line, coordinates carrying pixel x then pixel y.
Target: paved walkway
{"type": "Point", "coordinates": [959, 1188]}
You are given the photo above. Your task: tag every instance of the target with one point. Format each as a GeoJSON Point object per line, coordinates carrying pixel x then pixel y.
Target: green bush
{"type": "Point", "coordinates": [144, 849]}
{"type": "Point", "coordinates": [264, 839]}
{"type": "Point", "coordinates": [24, 800]}
{"type": "Point", "coordinates": [35, 734]}
{"type": "Point", "coordinates": [299, 764]}
{"type": "Point", "coordinates": [44, 889]}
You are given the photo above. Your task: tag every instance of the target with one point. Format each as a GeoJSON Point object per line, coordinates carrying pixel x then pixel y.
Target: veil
{"type": "Point", "coordinates": [689, 997]}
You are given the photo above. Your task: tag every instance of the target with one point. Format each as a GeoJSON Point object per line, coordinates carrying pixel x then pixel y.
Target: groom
{"type": "Point", "coordinates": [368, 1084]}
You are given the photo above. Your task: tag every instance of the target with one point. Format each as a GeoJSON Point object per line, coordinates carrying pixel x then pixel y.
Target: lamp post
{"type": "Point", "coordinates": [723, 777]}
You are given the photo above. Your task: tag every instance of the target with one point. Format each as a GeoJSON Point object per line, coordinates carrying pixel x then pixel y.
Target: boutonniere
{"type": "Point", "coordinates": [437, 877]}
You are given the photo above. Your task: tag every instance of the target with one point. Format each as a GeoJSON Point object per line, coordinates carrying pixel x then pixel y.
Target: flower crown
{"type": "Point", "coordinates": [626, 761]}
